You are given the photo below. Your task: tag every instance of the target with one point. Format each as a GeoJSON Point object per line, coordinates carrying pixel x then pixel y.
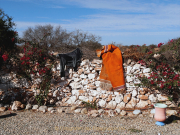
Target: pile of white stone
{"type": "Point", "coordinates": [85, 85]}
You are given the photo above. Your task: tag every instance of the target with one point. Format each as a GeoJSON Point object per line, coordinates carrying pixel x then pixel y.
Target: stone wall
{"type": "Point", "coordinates": [83, 85]}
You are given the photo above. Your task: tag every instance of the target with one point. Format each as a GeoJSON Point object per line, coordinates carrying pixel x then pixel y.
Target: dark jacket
{"type": "Point", "coordinates": [71, 59]}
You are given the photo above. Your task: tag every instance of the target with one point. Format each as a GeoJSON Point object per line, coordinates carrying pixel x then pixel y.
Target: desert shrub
{"type": "Point", "coordinates": [58, 38]}
{"type": "Point", "coordinates": [8, 37]}
{"type": "Point", "coordinates": [165, 75]}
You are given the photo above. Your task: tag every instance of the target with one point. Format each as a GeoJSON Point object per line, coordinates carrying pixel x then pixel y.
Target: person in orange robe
{"type": "Point", "coordinates": [112, 68]}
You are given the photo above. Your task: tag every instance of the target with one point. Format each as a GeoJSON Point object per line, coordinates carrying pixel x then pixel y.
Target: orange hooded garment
{"type": "Point", "coordinates": [112, 67]}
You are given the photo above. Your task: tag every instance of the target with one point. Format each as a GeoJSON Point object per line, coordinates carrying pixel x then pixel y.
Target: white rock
{"type": "Point", "coordinates": [111, 113]}
{"type": "Point", "coordinates": [152, 98]}
{"type": "Point", "coordinates": [137, 81]}
{"type": "Point", "coordinates": [87, 71]}
{"type": "Point", "coordinates": [94, 71]}
{"type": "Point", "coordinates": [171, 112]}
{"type": "Point", "coordinates": [84, 111]}
{"type": "Point", "coordinates": [111, 105]}
{"type": "Point", "coordinates": [84, 81]}
{"type": "Point", "coordinates": [130, 85]}
{"type": "Point", "coordinates": [94, 93]}
{"type": "Point", "coordinates": [75, 75]}
{"type": "Point", "coordinates": [123, 113]}
{"type": "Point", "coordinates": [129, 61]}
{"type": "Point", "coordinates": [136, 112]}
{"type": "Point", "coordinates": [119, 98]}
{"type": "Point", "coordinates": [83, 98]}
{"type": "Point", "coordinates": [137, 71]}
{"type": "Point", "coordinates": [53, 111]}
{"type": "Point", "coordinates": [97, 83]}
{"type": "Point", "coordinates": [96, 61]}
{"type": "Point", "coordinates": [132, 103]}
{"type": "Point", "coordinates": [129, 68]}
{"type": "Point", "coordinates": [172, 105]}
{"type": "Point", "coordinates": [129, 78]}
{"type": "Point", "coordinates": [58, 66]}
{"type": "Point", "coordinates": [73, 108]}
{"type": "Point", "coordinates": [77, 79]}
{"type": "Point", "coordinates": [78, 102]}
{"type": "Point", "coordinates": [75, 92]}
{"type": "Point", "coordinates": [147, 74]}
{"type": "Point", "coordinates": [136, 66]}
{"type": "Point", "coordinates": [70, 71]}
{"type": "Point", "coordinates": [42, 108]}
{"type": "Point", "coordinates": [91, 76]}
{"type": "Point", "coordinates": [100, 111]}
{"type": "Point", "coordinates": [102, 103]}
{"type": "Point", "coordinates": [72, 100]}
{"type": "Point", "coordinates": [162, 98]}
{"type": "Point", "coordinates": [118, 110]}
{"type": "Point", "coordinates": [55, 93]}
{"type": "Point", "coordinates": [84, 62]}
{"type": "Point", "coordinates": [60, 110]}
{"type": "Point", "coordinates": [2, 109]}
{"type": "Point", "coordinates": [77, 110]}
{"type": "Point", "coordinates": [50, 109]}
{"type": "Point", "coordinates": [146, 70]}
{"type": "Point", "coordinates": [142, 104]}
{"type": "Point", "coordinates": [151, 115]}
{"type": "Point", "coordinates": [90, 98]}
{"type": "Point", "coordinates": [95, 115]}
{"type": "Point", "coordinates": [16, 105]}
{"type": "Point", "coordinates": [83, 76]}
{"type": "Point", "coordinates": [121, 105]}
{"type": "Point", "coordinates": [35, 107]}
{"type": "Point", "coordinates": [134, 93]}
{"type": "Point", "coordinates": [116, 93]}
{"type": "Point", "coordinates": [152, 111]}
{"type": "Point", "coordinates": [28, 106]}
{"type": "Point", "coordinates": [75, 85]}
{"type": "Point", "coordinates": [168, 102]}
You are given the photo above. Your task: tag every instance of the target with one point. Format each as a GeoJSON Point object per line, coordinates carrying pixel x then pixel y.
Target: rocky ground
{"type": "Point", "coordinates": [68, 122]}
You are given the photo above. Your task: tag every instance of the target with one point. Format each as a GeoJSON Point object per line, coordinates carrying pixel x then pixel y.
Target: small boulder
{"type": "Point", "coordinates": [43, 108]}
{"type": "Point", "coordinates": [111, 113]}
{"type": "Point", "coordinates": [171, 112]}
{"type": "Point", "coordinates": [95, 115]}
{"type": "Point", "coordinates": [151, 115]}
{"type": "Point", "coordinates": [16, 105]}
{"type": "Point", "coordinates": [77, 110]}
{"type": "Point", "coordinates": [100, 111]}
{"type": "Point", "coordinates": [123, 113]}
{"type": "Point", "coordinates": [50, 109]}
{"type": "Point", "coordinates": [130, 114]}
{"type": "Point", "coordinates": [127, 97]}
{"type": "Point", "coordinates": [136, 112]}
{"type": "Point", "coordinates": [152, 111]}
{"type": "Point", "coordinates": [35, 107]}
{"type": "Point", "coordinates": [118, 110]}
{"type": "Point", "coordinates": [23, 106]}
{"type": "Point", "coordinates": [84, 111]}
{"type": "Point", "coordinates": [28, 106]}
{"type": "Point", "coordinates": [2, 109]}
{"type": "Point", "coordinates": [73, 108]}
{"type": "Point", "coordinates": [60, 110]}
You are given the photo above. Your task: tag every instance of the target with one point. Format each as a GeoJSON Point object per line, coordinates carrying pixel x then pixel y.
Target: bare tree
{"type": "Point", "coordinates": [51, 38]}
{"type": "Point", "coordinates": [47, 36]}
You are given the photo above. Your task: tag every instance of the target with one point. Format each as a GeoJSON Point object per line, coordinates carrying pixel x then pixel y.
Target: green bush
{"type": "Point", "coordinates": [8, 36]}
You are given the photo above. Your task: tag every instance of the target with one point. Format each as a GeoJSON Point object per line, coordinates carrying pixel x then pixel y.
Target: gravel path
{"type": "Point", "coordinates": [37, 123]}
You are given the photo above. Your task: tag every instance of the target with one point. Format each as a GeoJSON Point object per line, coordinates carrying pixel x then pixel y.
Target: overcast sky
{"type": "Point", "coordinates": [124, 22]}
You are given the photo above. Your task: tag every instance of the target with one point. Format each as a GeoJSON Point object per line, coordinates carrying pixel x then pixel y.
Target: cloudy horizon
{"type": "Point", "coordinates": [123, 22]}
